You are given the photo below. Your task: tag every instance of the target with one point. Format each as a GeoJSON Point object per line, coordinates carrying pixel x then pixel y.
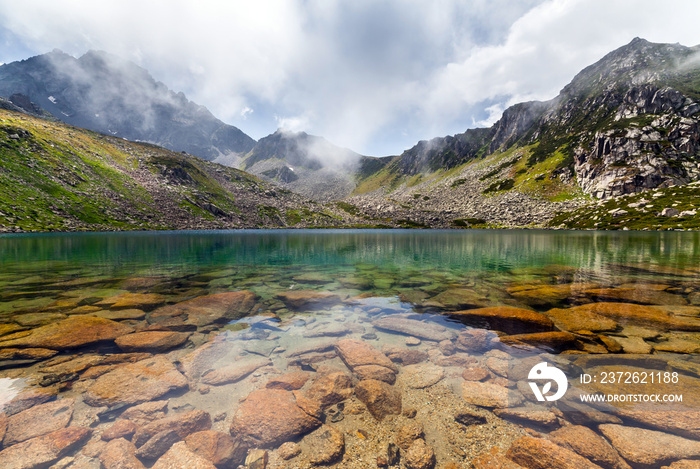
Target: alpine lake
{"type": "Point", "coordinates": [348, 349]}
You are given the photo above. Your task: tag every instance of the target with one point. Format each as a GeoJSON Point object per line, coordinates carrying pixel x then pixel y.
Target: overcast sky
{"type": "Point", "coordinates": [375, 76]}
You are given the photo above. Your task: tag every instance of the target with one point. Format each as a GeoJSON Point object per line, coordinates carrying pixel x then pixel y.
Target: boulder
{"type": "Point", "coordinates": [474, 340]}
{"type": "Point", "coordinates": [548, 295]}
{"type": "Point", "coordinates": [682, 423]}
{"type": "Point", "coordinates": [459, 298]}
{"type": "Point", "coordinates": [289, 450]}
{"type": "Point", "coordinates": [493, 459]}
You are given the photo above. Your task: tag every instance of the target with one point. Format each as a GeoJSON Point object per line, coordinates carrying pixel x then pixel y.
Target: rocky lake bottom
{"type": "Point", "coordinates": [348, 350]}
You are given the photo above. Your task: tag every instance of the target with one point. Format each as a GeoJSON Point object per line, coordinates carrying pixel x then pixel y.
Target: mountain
{"type": "Point", "coordinates": [101, 92]}
{"type": "Point", "coordinates": [57, 177]}
{"type": "Point", "coordinates": [306, 164]}
{"type": "Point", "coordinates": [627, 124]}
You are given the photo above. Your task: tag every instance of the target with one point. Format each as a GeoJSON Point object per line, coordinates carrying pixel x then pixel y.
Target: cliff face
{"type": "Point", "coordinates": [625, 124]}
{"type": "Point", "coordinates": [653, 141]}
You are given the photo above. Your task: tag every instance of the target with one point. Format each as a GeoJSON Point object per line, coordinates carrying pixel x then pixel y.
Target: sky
{"type": "Point", "coordinates": [375, 76]}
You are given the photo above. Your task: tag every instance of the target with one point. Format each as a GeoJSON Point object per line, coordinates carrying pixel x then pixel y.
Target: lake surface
{"type": "Point", "coordinates": [230, 324]}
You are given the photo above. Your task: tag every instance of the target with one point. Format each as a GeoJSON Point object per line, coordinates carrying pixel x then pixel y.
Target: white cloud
{"type": "Point", "coordinates": [360, 73]}
{"type": "Point", "coordinates": [245, 112]}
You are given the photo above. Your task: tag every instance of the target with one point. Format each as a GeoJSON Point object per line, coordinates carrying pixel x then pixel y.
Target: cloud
{"type": "Point", "coordinates": [372, 76]}
{"type": "Point", "coordinates": [245, 112]}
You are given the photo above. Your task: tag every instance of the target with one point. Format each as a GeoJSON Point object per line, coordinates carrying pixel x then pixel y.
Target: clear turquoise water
{"type": "Point", "coordinates": [409, 274]}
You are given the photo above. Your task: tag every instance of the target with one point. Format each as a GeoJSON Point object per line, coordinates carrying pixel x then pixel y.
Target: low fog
{"type": "Point", "coordinates": [375, 77]}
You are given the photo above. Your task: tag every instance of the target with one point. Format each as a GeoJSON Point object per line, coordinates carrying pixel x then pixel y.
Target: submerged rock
{"type": "Point", "coordinates": [44, 450]}
{"type": "Point", "coordinates": [289, 381]}
{"type": "Point", "coordinates": [234, 372]}
{"type": "Point", "coordinates": [269, 417]}
{"type": "Point", "coordinates": [134, 383]}
{"type": "Point", "coordinates": [120, 454]}
{"type": "Point", "coordinates": [490, 395]}
{"type": "Point", "coordinates": [538, 453]}
{"type": "Point", "coordinates": [649, 448]}
{"type": "Point", "coordinates": [419, 456]}
{"type": "Point", "coordinates": [581, 319]}
{"type": "Point", "coordinates": [407, 434]}
{"type": "Point", "coordinates": [179, 456]}
{"type": "Point", "coordinates": [587, 443]}
{"type": "Point", "coordinates": [217, 447]}
{"type": "Point", "coordinates": [380, 398]}
{"type": "Point", "coordinates": [422, 375]}
{"type": "Point", "coordinates": [550, 341]}
{"type": "Point", "coordinates": [310, 299]}
{"type": "Point", "coordinates": [330, 388]}
{"type": "Point", "coordinates": [76, 331]}
{"type": "Point", "coordinates": [181, 424]}
{"type": "Point", "coordinates": [422, 329]}
{"type": "Point", "coordinates": [366, 361]}
{"type": "Point", "coordinates": [324, 446]}
{"type": "Point", "coordinates": [121, 428]}
{"type": "Point", "coordinates": [210, 309]}
{"type": "Point", "coordinates": [38, 421]}
{"type": "Point", "coordinates": [637, 315]}
{"type": "Point", "coordinates": [505, 318]}
{"type": "Point", "coordinates": [144, 301]}
{"type": "Point", "coordinates": [151, 341]}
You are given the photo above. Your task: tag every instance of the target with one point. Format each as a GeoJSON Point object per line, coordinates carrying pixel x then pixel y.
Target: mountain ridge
{"type": "Point", "coordinates": [103, 93]}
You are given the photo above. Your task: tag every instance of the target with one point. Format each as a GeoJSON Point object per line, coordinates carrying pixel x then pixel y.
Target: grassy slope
{"type": "Point", "coordinates": [55, 177]}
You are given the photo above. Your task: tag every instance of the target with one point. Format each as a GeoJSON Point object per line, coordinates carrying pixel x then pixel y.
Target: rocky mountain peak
{"type": "Point", "coordinates": [107, 94]}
